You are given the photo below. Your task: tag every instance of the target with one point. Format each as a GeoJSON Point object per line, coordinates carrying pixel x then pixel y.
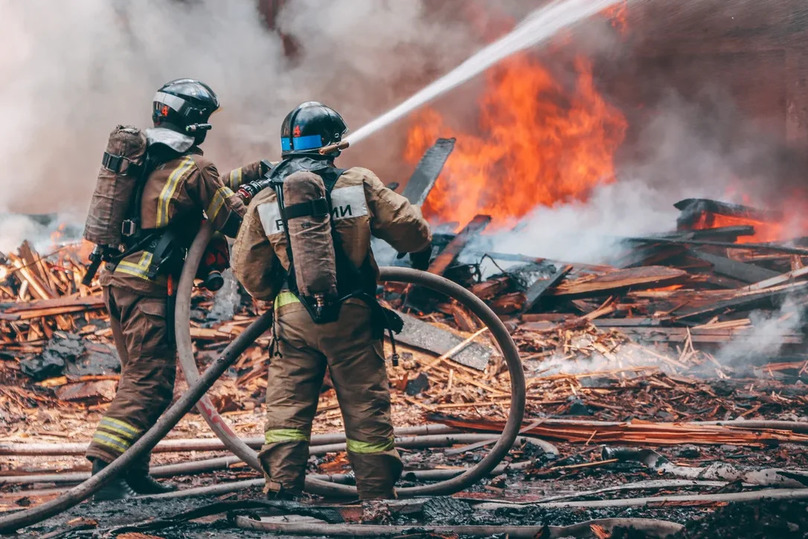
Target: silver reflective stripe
{"type": "Point", "coordinates": [172, 101]}
{"type": "Point", "coordinates": [348, 202]}
{"type": "Point", "coordinates": [270, 216]}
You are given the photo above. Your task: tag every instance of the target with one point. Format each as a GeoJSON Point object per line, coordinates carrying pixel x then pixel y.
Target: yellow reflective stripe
{"type": "Point", "coordinates": [164, 201]}
{"type": "Point", "coordinates": [110, 440]}
{"type": "Point", "coordinates": [355, 446]}
{"type": "Point", "coordinates": [139, 269]}
{"type": "Point", "coordinates": [285, 298]}
{"type": "Point", "coordinates": [216, 204]}
{"type": "Point", "coordinates": [235, 178]}
{"type": "Point", "coordinates": [285, 435]}
{"type": "Point", "coordinates": [121, 427]}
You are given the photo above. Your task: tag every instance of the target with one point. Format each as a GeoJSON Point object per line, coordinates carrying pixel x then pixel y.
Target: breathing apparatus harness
{"type": "Point", "coordinates": [352, 281]}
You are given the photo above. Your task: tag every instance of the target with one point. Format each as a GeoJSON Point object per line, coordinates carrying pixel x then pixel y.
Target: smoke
{"type": "Point", "coordinates": [587, 232]}
{"type": "Point", "coordinates": [764, 340]}
{"type": "Point", "coordinates": [72, 70]}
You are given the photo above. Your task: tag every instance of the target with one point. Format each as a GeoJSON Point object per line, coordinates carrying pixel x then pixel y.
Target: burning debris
{"type": "Point", "coordinates": [500, 172]}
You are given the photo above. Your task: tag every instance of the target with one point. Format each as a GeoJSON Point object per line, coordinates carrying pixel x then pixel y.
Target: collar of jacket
{"type": "Point", "coordinates": [298, 163]}
{"type": "Point", "coordinates": [176, 141]}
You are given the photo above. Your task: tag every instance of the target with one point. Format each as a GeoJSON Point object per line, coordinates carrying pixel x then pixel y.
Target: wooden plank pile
{"type": "Point", "coordinates": [691, 288]}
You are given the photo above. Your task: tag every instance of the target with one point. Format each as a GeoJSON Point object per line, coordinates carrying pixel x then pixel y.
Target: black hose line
{"type": "Point", "coordinates": [390, 274]}
{"type": "Point", "coordinates": [171, 417]}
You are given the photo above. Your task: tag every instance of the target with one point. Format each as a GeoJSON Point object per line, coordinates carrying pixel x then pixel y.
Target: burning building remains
{"type": "Point", "coordinates": [629, 198]}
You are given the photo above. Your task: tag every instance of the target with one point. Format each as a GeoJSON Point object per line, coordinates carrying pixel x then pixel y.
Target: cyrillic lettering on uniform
{"type": "Point", "coordinates": [270, 215]}
{"type": "Point", "coordinates": [348, 203]}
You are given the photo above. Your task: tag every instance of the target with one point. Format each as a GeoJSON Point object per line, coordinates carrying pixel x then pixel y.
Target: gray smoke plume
{"type": "Point", "coordinates": [764, 339]}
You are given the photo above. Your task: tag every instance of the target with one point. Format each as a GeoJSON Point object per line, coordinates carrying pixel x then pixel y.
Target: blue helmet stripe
{"type": "Point", "coordinates": [308, 142]}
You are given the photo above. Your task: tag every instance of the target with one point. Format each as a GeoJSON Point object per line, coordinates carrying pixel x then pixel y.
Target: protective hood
{"type": "Point", "coordinates": [176, 141]}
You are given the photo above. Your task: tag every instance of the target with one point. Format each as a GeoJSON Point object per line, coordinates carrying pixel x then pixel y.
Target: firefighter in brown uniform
{"type": "Point", "coordinates": [350, 346]}
{"type": "Point", "coordinates": [180, 185]}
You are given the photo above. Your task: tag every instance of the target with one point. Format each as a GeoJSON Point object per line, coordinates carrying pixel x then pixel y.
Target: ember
{"type": "Point", "coordinates": [538, 144]}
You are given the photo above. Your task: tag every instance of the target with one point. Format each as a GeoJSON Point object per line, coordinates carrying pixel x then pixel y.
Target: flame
{"type": "Point", "coordinates": [764, 231]}
{"type": "Point", "coordinates": [618, 17]}
{"type": "Point", "coordinates": [541, 144]}
{"type": "Point", "coordinates": [786, 221]}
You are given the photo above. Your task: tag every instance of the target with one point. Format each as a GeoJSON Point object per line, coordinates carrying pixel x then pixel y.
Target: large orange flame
{"type": "Point", "coordinates": [537, 143]}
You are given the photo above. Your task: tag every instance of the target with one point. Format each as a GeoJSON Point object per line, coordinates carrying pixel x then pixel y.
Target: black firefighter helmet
{"type": "Point", "coordinates": [185, 105]}
{"type": "Point", "coordinates": [309, 127]}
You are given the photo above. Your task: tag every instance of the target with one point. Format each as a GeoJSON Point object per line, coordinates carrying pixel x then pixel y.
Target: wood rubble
{"type": "Point", "coordinates": [629, 354]}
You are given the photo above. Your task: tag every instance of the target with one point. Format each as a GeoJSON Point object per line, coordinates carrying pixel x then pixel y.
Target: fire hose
{"type": "Point", "coordinates": [199, 385]}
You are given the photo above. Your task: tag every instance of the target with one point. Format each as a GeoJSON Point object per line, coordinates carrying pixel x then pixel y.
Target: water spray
{"type": "Point", "coordinates": [537, 27]}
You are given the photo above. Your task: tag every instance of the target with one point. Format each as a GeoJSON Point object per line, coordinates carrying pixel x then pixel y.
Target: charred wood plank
{"type": "Point", "coordinates": [463, 318]}
{"type": "Point", "coordinates": [639, 432]}
{"type": "Point", "coordinates": [772, 247]}
{"type": "Point", "coordinates": [650, 255]}
{"type": "Point", "coordinates": [693, 208]}
{"type": "Point", "coordinates": [449, 254]}
{"type": "Point", "coordinates": [723, 233]}
{"type": "Point", "coordinates": [627, 322]}
{"type": "Point", "coordinates": [425, 336]}
{"type": "Point", "coordinates": [779, 279]}
{"type": "Point", "coordinates": [103, 390]}
{"type": "Point", "coordinates": [625, 279]}
{"type": "Point", "coordinates": [90, 302]}
{"type": "Point", "coordinates": [492, 287]}
{"type": "Point", "coordinates": [678, 335]}
{"type": "Point", "coordinates": [508, 303]}
{"type": "Point", "coordinates": [748, 273]}
{"type": "Point", "coordinates": [427, 171]}
{"type": "Point", "coordinates": [538, 289]}
{"type": "Point", "coordinates": [746, 301]}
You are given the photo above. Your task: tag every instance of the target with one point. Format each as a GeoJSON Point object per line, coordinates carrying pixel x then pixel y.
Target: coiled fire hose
{"type": "Point", "coordinates": [199, 385]}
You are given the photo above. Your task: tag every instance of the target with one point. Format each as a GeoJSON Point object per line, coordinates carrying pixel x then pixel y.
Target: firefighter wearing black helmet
{"type": "Point", "coordinates": [179, 188]}
{"type": "Point", "coordinates": [348, 343]}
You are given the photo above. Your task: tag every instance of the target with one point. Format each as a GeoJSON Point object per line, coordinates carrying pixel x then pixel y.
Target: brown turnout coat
{"type": "Point", "coordinates": [175, 194]}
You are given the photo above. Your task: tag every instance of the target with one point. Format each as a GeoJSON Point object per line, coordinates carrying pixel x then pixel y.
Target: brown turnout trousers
{"type": "Point", "coordinates": [147, 373]}
{"type": "Point", "coordinates": [357, 366]}
{"type": "Point", "coordinates": [176, 194]}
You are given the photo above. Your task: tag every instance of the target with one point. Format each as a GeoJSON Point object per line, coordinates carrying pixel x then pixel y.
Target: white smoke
{"type": "Point", "coordinates": [587, 232]}
{"type": "Point", "coordinates": [764, 339]}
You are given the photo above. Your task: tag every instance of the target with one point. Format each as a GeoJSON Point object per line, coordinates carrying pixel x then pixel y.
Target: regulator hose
{"type": "Point", "coordinates": [388, 274]}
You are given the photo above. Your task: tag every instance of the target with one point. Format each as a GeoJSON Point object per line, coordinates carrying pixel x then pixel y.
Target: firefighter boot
{"type": "Point", "coordinates": [117, 489]}
{"type": "Point", "coordinates": [141, 482]}
{"type": "Point", "coordinates": [146, 484]}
